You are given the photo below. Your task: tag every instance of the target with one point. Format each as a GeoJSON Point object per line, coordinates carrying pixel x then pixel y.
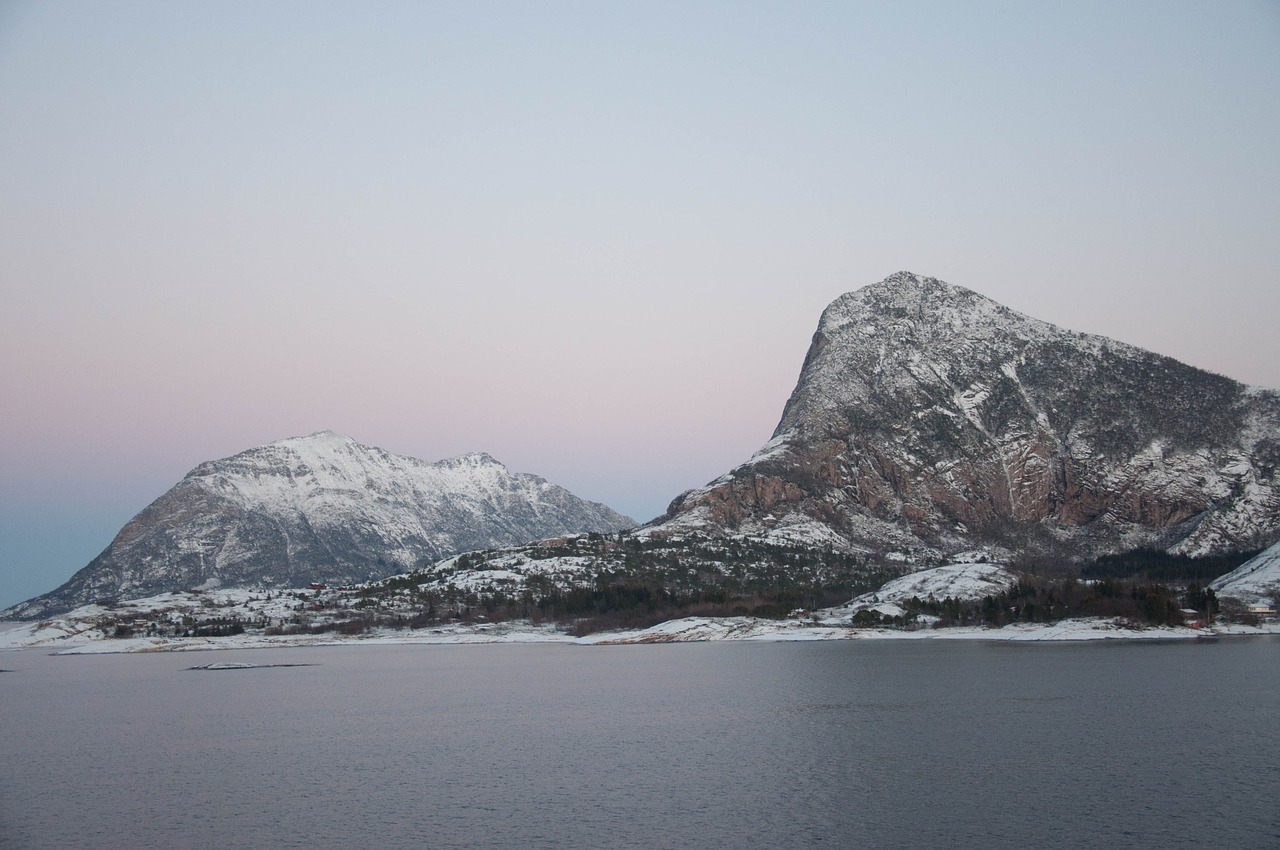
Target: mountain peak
{"type": "Point", "coordinates": [473, 460]}
{"type": "Point", "coordinates": [326, 436]}
{"type": "Point", "coordinates": [316, 438]}
{"type": "Point", "coordinates": [909, 281]}
{"type": "Point", "coordinates": [909, 287]}
{"type": "Point", "coordinates": [908, 299]}
{"type": "Point", "coordinates": [315, 444]}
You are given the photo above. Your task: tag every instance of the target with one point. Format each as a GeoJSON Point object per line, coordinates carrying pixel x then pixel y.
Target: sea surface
{"type": "Point", "coordinates": [849, 744]}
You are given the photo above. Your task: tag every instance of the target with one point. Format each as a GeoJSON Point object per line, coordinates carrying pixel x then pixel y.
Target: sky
{"type": "Point", "coordinates": [591, 239]}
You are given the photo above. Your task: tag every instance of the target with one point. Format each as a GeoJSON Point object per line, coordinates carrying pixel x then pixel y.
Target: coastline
{"type": "Point", "coordinates": [26, 636]}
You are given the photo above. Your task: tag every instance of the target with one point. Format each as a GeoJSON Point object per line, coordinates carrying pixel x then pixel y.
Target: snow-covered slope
{"type": "Point", "coordinates": [928, 420]}
{"type": "Point", "coordinates": [962, 582]}
{"type": "Point", "coordinates": [321, 508]}
{"type": "Point", "coordinates": [1258, 579]}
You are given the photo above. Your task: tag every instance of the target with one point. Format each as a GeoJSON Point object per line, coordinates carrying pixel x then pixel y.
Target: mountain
{"type": "Point", "coordinates": [929, 419]}
{"type": "Point", "coordinates": [321, 509]}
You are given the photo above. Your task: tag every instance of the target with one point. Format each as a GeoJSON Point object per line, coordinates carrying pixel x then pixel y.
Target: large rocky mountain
{"type": "Point", "coordinates": [321, 508]}
{"type": "Point", "coordinates": [928, 420]}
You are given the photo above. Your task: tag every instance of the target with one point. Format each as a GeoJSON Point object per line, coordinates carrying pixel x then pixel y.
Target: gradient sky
{"type": "Point", "coordinates": [592, 239]}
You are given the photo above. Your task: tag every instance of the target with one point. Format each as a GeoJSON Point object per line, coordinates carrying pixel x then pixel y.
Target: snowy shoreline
{"type": "Point", "coordinates": [687, 630]}
{"type": "Point", "coordinates": [169, 622]}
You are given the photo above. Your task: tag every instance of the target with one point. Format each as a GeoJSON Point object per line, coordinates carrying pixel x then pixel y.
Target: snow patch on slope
{"type": "Point", "coordinates": [1256, 580]}
{"type": "Point", "coordinates": [964, 582]}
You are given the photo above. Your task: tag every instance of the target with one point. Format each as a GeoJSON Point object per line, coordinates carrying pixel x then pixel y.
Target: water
{"type": "Point", "coordinates": [841, 744]}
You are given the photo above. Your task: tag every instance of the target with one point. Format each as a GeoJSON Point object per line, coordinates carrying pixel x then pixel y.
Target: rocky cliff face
{"type": "Point", "coordinates": [928, 419]}
{"type": "Point", "coordinates": [321, 508]}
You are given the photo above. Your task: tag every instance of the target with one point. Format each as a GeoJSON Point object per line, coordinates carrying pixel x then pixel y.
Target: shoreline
{"type": "Point", "coordinates": [687, 630]}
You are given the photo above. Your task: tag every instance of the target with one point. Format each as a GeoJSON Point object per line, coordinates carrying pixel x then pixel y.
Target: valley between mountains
{"type": "Point", "coordinates": [945, 466]}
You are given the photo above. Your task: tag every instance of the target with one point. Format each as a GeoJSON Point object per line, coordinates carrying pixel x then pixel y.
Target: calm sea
{"type": "Point", "coordinates": [842, 744]}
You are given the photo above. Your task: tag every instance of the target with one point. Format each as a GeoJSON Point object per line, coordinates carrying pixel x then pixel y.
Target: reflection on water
{"type": "Point", "coordinates": [850, 744]}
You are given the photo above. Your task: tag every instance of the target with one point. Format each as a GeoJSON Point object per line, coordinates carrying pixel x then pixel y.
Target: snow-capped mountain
{"type": "Point", "coordinates": [1255, 580]}
{"type": "Point", "coordinates": [321, 508]}
{"type": "Point", "coordinates": [928, 419]}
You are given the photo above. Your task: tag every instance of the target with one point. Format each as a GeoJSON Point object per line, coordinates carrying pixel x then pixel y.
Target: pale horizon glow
{"type": "Point", "coordinates": [591, 241]}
